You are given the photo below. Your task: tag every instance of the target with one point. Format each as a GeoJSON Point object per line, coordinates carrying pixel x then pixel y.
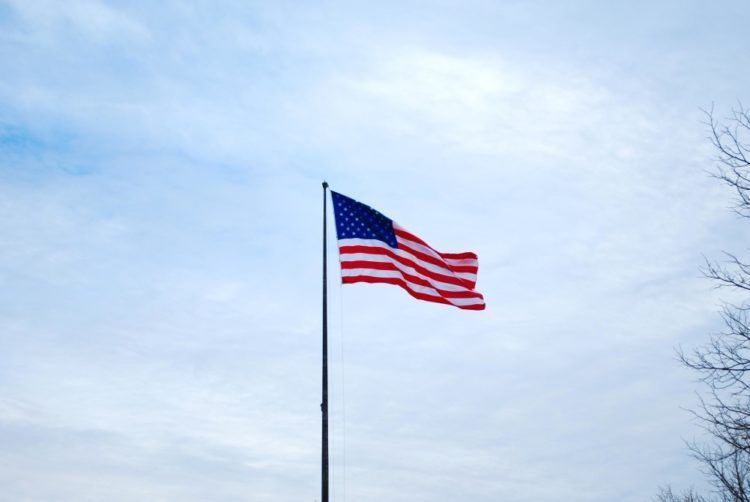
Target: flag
{"type": "Point", "coordinates": [375, 249]}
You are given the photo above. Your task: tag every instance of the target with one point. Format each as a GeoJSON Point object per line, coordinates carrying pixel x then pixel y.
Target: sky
{"type": "Point", "coordinates": [160, 245]}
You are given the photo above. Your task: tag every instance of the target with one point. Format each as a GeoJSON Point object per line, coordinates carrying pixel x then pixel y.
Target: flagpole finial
{"type": "Point", "coordinates": [325, 184]}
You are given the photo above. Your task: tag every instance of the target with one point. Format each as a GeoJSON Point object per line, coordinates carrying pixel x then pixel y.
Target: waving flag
{"type": "Point", "coordinates": [375, 249]}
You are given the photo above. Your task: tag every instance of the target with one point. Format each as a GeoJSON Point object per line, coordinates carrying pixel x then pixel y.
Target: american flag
{"type": "Point", "coordinates": [375, 249]}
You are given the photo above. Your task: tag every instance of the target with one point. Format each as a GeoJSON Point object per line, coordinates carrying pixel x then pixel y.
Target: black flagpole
{"type": "Point", "coordinates": [324, 404]}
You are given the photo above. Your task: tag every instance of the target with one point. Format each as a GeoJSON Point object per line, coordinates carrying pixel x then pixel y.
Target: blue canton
{"type": "Point", "coordinates": [355, 220]}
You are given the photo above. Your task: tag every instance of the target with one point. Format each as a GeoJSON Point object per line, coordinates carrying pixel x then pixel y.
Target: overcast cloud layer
{"type": "Point", "coordinates": [160, 169]}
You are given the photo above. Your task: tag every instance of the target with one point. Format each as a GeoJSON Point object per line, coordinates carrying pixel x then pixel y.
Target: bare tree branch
{"type": "Point", "coordinates": [723, 364]}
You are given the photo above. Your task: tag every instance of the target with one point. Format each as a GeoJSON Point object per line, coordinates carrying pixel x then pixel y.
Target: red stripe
{"type": "Point", "coordinates": [418, 254]}
{"type": "Point", "coordinates": [412, 237]}
{"type": "Point", "coordinates": [437, 261]}
{"type": "Point", "coordinates": [458, 256]}
{"type": "Point", "coordinates": [421, 256]}
{"type": "Point", "coordinates": [458, 281]}
{"type": "Point", "coordinates": [404, 285]}
{"type": "Point", "coordinates": [378, 265]}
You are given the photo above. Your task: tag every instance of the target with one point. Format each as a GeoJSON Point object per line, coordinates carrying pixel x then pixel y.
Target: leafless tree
{"type": "Point", "coordinates": [667, 495]}
{"type": "Point", "coordinates": [724, 362]}
{"type": "Point", "coordinates": [731, 142]}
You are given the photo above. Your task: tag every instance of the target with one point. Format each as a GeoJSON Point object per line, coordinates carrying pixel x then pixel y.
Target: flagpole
{"type": "Point", "coordinates": [324, 404]}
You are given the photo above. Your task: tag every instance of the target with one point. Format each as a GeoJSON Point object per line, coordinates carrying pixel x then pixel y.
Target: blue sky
{"type": "Point", "coordinates": [160, 169]}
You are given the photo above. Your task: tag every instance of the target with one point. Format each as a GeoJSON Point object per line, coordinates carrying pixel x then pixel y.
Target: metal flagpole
{"type": "Point", "coordinates": [324, 404]}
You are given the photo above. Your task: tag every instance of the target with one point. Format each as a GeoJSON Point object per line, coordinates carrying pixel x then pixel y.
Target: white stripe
{"type": "Point", "coordinates": [408, 245]}
{"type": "Point", "coordinates": [462, 262]}
{"type": "Point", "coordinates": [405, 268]}
{"type": "Point", "coordinates": [418, 246]}
{"type": "Point", "coordinates": [409, 256]}
{"type": "Point", "coordinates": [388, 259]}
{"type": "Point", "coordinates": [367, 272]}
{"type": "Point", "coordinates": [415, 246]}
